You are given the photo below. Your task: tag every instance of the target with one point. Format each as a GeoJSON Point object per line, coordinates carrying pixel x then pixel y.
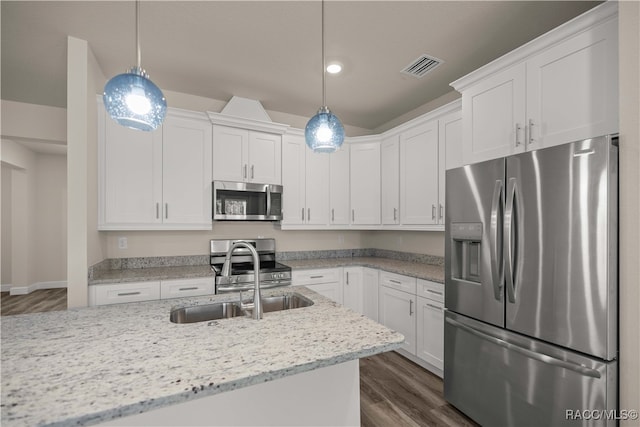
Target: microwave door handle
{"type": "Point", "coordinates": [509, 220]}
{"type": "Point", "coordinates": [268, 200]}
{"type": "Point", "coordinates": [497, 264]}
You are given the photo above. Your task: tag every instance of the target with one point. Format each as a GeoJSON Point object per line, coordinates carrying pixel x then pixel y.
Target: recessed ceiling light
{"type": "Point", "coordinates": [334, 68]}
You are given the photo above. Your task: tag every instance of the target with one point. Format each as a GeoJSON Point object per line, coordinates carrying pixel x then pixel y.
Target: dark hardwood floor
{"type": "Point", "coordinates": [35, 302]}
{"type": "Point", "coordinates": [394, 391]}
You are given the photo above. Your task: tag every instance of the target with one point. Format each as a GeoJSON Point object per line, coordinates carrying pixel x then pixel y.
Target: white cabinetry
{"type": "Point", "coordinates": [339, 186]}
{"type": "Point", "coordinates": [419, 175]}
{"type": "Point", "coordinates": [559, 88]}
{"type": "Point", "coordinates": [370, 293]}
{"type": "Point", "coordinates": [187, 287]}
{"type": "Point", "coordinates": [397, 307]}
{"type": "Point", "coordinates": [305, 182]}
{"type": "Point", "coordinates": [353, 296]}
{"type": "Point", "coordinates": [430, 323]}
{"type": "Point", "coordinates": [390, 179]}
{"type": "Point", "coordinates": [326, 282]}
{"type": "Point", "coordinates": [155, 180]}
{"type": "Point", "coordinates": [246, 156]}
{"type": "Point", "coordinates": [124, 292]}
{"type": "Point", "coordinates": [365, 183]}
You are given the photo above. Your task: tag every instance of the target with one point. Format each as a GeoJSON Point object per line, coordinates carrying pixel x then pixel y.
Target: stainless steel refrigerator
{"type": "Point", "coordinates": [531, 321]}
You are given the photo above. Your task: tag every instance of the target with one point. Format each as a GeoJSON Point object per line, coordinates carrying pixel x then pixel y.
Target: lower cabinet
{"type": "Point", "coordinates": [353, 295]}
{"type": "Point", "coordinates": [397, 307]}
{"type": "Point", "coordinates": [327, 282]}
{"type": "Point", "coordinates": [118, 293]}
{"type": "Point", "coordinates": [370, 293]}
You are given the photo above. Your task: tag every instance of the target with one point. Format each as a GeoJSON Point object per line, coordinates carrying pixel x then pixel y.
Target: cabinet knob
{"type": "Point", "coordinates": [531, 140]}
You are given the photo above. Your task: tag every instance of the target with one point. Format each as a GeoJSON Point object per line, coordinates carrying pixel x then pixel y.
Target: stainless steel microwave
{"type": "Point", "coordinates": [244, 201]}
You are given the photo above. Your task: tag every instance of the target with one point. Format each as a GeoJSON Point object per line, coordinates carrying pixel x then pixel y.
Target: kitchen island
{"type": "Point", "coordinates": [101, 364]}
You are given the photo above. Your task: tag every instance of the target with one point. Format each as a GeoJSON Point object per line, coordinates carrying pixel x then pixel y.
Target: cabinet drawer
{"type": "Point", "coordinates": [186, 287]}
{"type": "Point", "coordinates": [124, 292]}
{"type": "Point", "coordinates": [398, 281]}
{"type": "Point", "coordinates": [311, 277]}
{"type": "Point", "coordinates": [431, 290]}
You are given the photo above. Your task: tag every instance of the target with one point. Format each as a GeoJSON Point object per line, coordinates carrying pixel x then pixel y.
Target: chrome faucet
{"type": "Point", "coordinates": [226, 271]}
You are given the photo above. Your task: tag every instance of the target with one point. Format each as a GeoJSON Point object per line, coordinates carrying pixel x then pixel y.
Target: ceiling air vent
{"type": "Point", "coordinates": [421, 66]}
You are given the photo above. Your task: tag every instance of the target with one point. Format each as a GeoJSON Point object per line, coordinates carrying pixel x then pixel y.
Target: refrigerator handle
{"type": "Point", "coordinates": [549, 360]}
{"type": "Point", "coordinates": [497, 264]}
{"type": "Point", "coordinates": [507, 247]}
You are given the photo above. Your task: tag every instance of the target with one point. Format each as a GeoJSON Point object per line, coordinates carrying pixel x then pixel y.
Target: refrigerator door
{"type": "Point", "coordinates": [560, 244]}
{"type": "Point", "coordinates": [500, 378]}
{"type": "Point", "coordinates": [473, 241]}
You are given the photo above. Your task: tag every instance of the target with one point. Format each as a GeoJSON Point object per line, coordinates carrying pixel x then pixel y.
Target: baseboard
{"type": "Point", "coordinates": [24, 290]}
{"type": "Point", "coordinates": [5, 287]}
{"type": "Point", "coordinates": [418, 361]}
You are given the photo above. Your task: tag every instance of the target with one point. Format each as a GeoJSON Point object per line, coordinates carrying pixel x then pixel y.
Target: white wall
{"type": "Point", "coordinates": [5, 233]}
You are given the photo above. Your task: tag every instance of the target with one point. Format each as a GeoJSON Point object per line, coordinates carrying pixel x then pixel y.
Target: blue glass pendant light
{"type": "Point", "coordinates": [131, 99]}
{"type": "Point", "coordinates": [324, 133]}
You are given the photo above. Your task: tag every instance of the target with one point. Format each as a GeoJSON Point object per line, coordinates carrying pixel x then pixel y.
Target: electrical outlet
{"type": "Point", "coordinates": [122, 243]}
{"type": "Point", "coordinates": [341, 239]}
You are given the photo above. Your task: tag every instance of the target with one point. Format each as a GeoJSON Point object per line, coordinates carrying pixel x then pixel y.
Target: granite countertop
{"type": "Point", "coordinates": [434, 273]}
{"type": "Point", "coordinates": [89, 365]}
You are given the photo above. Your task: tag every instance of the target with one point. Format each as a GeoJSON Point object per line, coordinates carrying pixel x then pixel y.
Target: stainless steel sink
{"type": "Point", "coordinates": [202, 313]}
{"type": "Point", "coordinates": [227, 310]}
{"type": "Point", "coordinates": [284, 302]}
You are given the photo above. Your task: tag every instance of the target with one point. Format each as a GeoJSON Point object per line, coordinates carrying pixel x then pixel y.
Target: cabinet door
{"type": "Point", "coordinates": [317, 188]}
{"type": "Point", "coordinates": [450, 130]}
{"type": "Point", "coordinates": [365, 183]}
{"type": "Point", "coordinates": [132, 178]}
{"type": "Point", "coordinates": [430, 331]}
{"type": "Point", "coordinates": [230, 147]}
{"type": "Point", "coordinates": [339, 186]}
{"type": "Point", "coordinates": [265, 156]}
{"type": "Point", "coordinates": [390, 180]}
{"type": "Point", "coordinates": [370, 293]}
{"type": "Point", "coordinates": [493, 112]}
{"type": "Point", "coordinates": [353, 297]}
{"type": "Point", "coordinates": [419, 174]}
{"type": "Point", "coordinates": [186, 171]}
{"type": "Point", "coordinates": [332, 290]}
{"type": "Point", "coordinates": [293, 179]}
{"type": "Point", "coordinates": [572, 88]}
{"type": "Point", "coordinates": [397, 311]}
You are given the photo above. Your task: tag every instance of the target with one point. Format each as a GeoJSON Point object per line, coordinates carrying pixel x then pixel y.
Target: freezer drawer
{"type": "Point", "coordinates": [500, 378]}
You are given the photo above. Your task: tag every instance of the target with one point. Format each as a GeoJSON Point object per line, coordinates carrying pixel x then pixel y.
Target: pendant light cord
{"type": "Point", "coordinates": [139, 62]}
{"type": "Point", "coordinates": [324, 91]}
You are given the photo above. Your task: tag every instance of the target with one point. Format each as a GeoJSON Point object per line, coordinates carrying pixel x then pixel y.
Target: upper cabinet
{"type": "Point", "coordinates": [246, 156]}
{"type": "Point", "coordinates": [365, 182]}
{"type": "Point", "coordinates": [390, 179]}
{"type": "Point", "coordinates": [156, 180]}
{"type": "Point", "coordinates": [339, 186]}
{"type": "Point", "coordinates": [559, 88]}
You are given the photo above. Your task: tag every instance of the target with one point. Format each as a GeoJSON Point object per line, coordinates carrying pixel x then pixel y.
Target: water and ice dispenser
{"type": "Point", "coordinates": [466, 251]}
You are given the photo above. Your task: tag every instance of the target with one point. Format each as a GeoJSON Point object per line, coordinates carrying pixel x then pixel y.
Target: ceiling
{"type": "Point", "coordinates": [271, 50]}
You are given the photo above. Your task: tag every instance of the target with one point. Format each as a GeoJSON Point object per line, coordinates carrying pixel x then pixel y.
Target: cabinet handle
{"type": "Point", "coordinates": [433, 212]}
{"type": "Point", "coordinates": [434, 292]}
{"type": "Point", "coordinates": [252, 166]}
{"type": "Point", "coordinates": [397, 282]}
{"type": "Point", "coordinates": [333, 215]}
{"type": "Point", "coordinates": [308, 214]}
{"type": "Point", "coordinates": [434, 306]}
{"type": "Point", "coordinates": [395, 214]}
{"type": "Point", "coordinates": [353, 215]}
{"type": "Point", "coordinates": [347, 277]}
{"type": "Point", "coordinates": [531, 140]}
{"type": "Point", "coordinates": [157, 210]}
{"type": "Point", "coordinates": [244, 171]}
{"type": "Point", "coordinates": [166, 210]}
{"type": "Point", "coordinates": [302, 214]}
{"type": "Point", "coordinates": [124, 294]}
{"type": "Point", "coordinates": [518, 129]}
{"type": "Point", "coordinates": [410, 307]}
{"type": "Point", "coordinates": [193, 288]}
{"type": "Point", "coordinates": [441, 210]}
{"type": "Point", "coordinates": [316, 277]}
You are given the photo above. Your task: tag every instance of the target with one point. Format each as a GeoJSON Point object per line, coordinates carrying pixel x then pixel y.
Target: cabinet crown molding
{"type": "Point", "coordinates": [599, 14]}
{"type": "Point", "coordinates": [244, 123]}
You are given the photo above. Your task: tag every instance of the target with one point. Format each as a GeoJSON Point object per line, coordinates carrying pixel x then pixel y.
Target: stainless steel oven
{"type": "Point", "coordinates": [272, 273]}
{"type": "Point", "coordinates": [244, 201]}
